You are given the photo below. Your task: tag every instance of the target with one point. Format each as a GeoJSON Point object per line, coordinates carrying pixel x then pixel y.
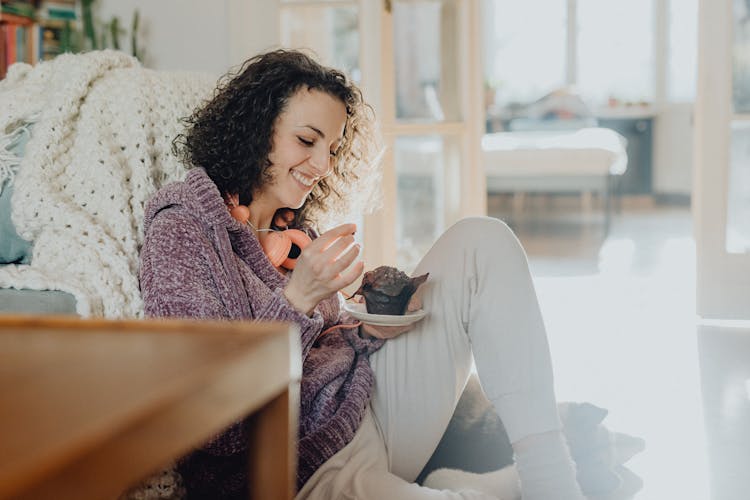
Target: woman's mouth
{"type": "Point", "coordinates": [306, 181]}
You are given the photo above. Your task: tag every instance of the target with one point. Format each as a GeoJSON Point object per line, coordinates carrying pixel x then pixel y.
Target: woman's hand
{"type": "Point", "coordinates": [323, 268]}
{"type": "Point", "coordinates": [389, 332]}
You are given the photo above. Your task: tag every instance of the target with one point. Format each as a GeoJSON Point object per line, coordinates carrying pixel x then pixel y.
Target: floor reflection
{"type": "Point", "coordinates": [725, 385]}
{"type": "Point", "coordinates": [620, 314]}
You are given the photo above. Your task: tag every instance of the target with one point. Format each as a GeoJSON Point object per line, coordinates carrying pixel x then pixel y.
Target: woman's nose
{"type": "Point", "coordinates": [320, 161]}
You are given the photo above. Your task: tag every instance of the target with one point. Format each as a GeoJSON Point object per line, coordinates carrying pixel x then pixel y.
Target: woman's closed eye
{"type": "Point", "coordinates": [310, 143]}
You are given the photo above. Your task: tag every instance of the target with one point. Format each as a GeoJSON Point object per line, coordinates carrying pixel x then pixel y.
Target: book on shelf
{"type": "Point", "coordinates": [32, 31]}
{"type": "Point", "coordinates": [58, 10]}
{"type": "Point", "coordinates": [20, 43]}
{"type": "Point", "coordinates": [19, 8]}
{"type": "Point", "coordinates": [20, 35]}
{"type": "Point", "coordinates": [52, 40]}
{"type": "Point", "coordinates": [8, 18]}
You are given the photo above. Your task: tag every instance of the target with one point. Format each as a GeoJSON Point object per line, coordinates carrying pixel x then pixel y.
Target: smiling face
{"type": "Point", "coordinates": [307, 135]}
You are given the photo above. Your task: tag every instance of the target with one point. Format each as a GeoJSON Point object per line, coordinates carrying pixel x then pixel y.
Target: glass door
{"type": "Point", "coordinates": [330, 29]}
{"type": "Point", "coordinates": [431, 119]}
{"type": "Point", "coordinates": [722, 179]}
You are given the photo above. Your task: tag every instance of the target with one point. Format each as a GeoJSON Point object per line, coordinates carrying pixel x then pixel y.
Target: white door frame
{"type": "Point", "coordinates": [723, 279]}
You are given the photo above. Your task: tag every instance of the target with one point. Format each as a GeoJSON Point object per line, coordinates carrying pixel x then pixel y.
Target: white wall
{"type": "Point", "coordinates": [197, 35]}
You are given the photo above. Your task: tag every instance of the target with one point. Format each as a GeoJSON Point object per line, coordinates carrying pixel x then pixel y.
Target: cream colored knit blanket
{"type": "Point", "coordinates": [101, 145]}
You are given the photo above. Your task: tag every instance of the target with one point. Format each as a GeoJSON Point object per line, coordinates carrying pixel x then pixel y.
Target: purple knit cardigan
{"type": "Point", "coordinates": [198, 262]}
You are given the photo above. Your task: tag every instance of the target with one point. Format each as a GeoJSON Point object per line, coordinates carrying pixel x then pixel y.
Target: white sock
{"type": "Point", "coordinates": [501, 484]}
{"type": "Point", "coordinates": [545, 468]}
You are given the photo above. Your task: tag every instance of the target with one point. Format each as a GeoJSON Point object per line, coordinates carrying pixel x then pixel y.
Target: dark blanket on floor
{"type": "Point", "coordinates": [475, 440]}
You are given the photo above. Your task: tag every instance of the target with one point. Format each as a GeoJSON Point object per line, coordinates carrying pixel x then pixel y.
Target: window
{"type": "Point", "coordinates": [615, 48]}
{"type": "Point", "coordinates": [525, 51]}
{"type": "Point", "coordinates": [335, 39]}
{"type": "Point", "coordinates": [607, 49]}
{"type": "Point", "coordinates": [683, 50]}
{"type": "Point", "coordinates": [420, 189]}
{"type": "Point", "coordinates": [425, 71]}
{"type": "Point", "coordinates": [427, 122]}
{"type": "Point", "coordinates": [738, 187]}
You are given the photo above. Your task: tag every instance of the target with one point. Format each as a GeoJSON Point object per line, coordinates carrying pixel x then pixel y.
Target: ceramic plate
{"type": "Point", "coordinates": [359, 311]}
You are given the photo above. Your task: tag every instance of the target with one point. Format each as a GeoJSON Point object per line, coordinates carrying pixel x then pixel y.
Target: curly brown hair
{"type": "Point", "coordinates": [231, 135]}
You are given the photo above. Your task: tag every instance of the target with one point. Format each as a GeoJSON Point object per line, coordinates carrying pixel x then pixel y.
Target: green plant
{"type": "Point", "coordinates": [88, 23]}
{"type": "Point", "coordinates": [66, 38]}
{"type": "Point", "coordinates": [134, 36]}
{"type": "Point", "coordinates": [115, 31]}
{"type": "Point", "coordinates": [73, 40]}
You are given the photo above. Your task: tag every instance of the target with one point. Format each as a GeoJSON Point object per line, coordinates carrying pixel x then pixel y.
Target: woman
{"type": "Point", "coordinates": [294, 142]}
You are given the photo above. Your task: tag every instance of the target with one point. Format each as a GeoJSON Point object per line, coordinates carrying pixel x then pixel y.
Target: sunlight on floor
{"type": "Point", "coordinates": [624, 337]}
{"type": "Point", "coordinates": [616, 256]}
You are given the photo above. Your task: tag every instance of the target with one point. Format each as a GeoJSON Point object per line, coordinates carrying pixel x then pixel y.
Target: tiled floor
{"type": "Point", "coordinates": [621, 320]}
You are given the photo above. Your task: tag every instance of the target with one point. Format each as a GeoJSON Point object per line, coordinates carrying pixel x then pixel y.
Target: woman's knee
{"type": "Point", "coordinates": [479, 225]}
{"type": "Point", "coordinates": [487, 235]}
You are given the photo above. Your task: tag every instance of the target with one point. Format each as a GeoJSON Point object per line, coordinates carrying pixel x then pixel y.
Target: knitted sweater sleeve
{"type": "Point", "coordinates": [174, 275]}
{"type": "Point", "coordinates": [278, 308]}
{"type": "Point", "coordinates": [176, 282]}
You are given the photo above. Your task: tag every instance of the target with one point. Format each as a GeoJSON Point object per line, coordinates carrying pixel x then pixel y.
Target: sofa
{"type": "Point", "coordinates": [14, 250]}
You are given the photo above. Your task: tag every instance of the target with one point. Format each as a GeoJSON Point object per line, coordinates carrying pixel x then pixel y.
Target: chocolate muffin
{"type": "Point", "coordinates": [387, 290]}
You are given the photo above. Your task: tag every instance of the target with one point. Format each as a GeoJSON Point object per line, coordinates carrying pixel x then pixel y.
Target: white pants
{"type": "Point", "coordinates": [480, 302]}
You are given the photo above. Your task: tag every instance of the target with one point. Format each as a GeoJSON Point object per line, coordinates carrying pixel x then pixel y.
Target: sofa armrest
{"type": "Point", "coordinates": [36, 302]}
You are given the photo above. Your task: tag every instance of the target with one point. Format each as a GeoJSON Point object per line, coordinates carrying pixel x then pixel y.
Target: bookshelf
{"type": "Point", "coordinates": [34, 30]}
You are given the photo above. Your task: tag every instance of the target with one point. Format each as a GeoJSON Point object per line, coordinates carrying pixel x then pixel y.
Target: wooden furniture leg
{"type": "Point", "coordinates": [273, 443]}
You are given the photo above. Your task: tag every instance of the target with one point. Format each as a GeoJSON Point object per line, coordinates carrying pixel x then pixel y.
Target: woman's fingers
{"type": "Point", "coordinates": [343, 272]}
{"type": "Point", "coordinates": [415, 304]}
{"type": "Point", "coordinates": [334, 250]}
{"type": "Point", "coordinates": [344, 260]}
{"type": "Point", "coordinates": [325, 239]}
{"type": "Point", "coordinates": [326, 265]}
{"type": "Point", "coordinates": [349, 276]}
{"type": "Point", "coordinates": [385, 332]}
